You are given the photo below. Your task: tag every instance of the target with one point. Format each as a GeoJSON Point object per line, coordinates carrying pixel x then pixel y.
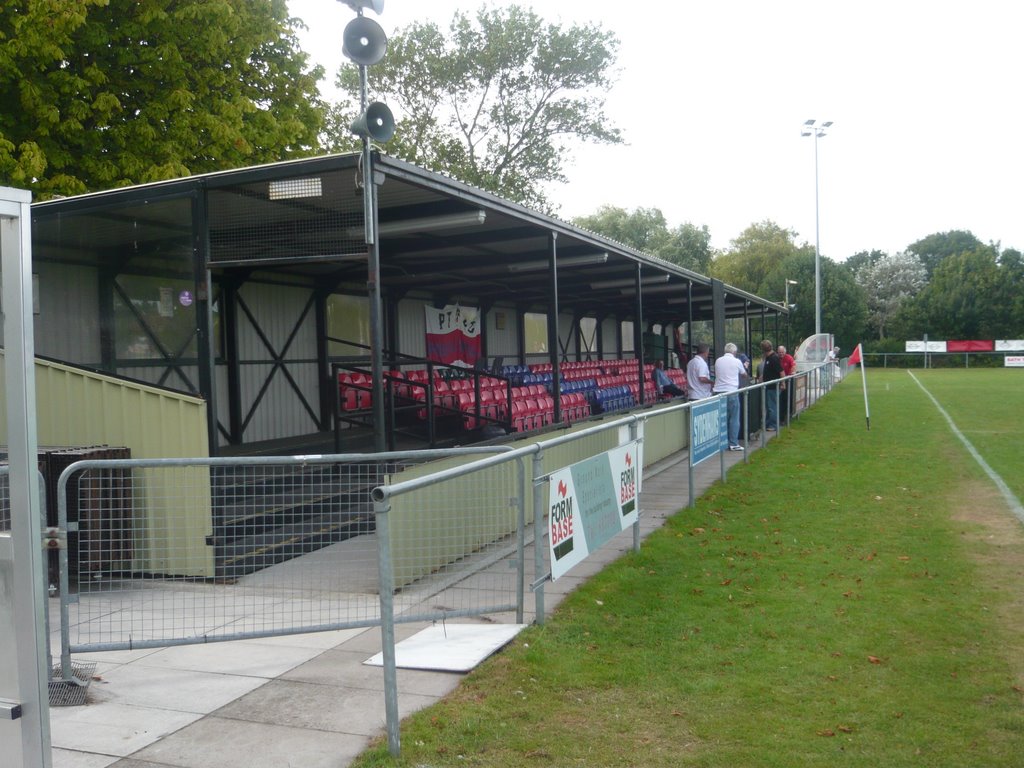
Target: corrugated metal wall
{"type": "Point", "coordinates": [609, 332]}
{"type": "Point", "coordinates": [276, 309]}
{"type": "Point", "coordinates": [504, 341]}
{"type": "Point", "coordinates": [78, 408]}
{"type": "Point", "coordinates": [67, 326]}
{"type": "Point", "coordinates": [412, 327]}
{"type": "Point", "coordinates": [567, 337]}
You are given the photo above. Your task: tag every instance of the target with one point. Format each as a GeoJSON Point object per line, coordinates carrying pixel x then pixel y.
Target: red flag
{"type": "Point", "coordinates": [855, 357]}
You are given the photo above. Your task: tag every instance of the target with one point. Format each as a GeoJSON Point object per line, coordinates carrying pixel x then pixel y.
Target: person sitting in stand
{"type": "Point", "coordinates": [664, 383]}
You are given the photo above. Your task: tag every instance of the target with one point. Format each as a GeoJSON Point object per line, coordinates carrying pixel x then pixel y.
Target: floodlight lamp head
{"type": "Point", "coordinates": [357, 5]}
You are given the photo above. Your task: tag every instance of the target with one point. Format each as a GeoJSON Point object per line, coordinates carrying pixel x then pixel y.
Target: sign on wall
{"type": "Point", "coordinates": [590, 502]}
{"type": "Point", "coordinates": [1013, 361]}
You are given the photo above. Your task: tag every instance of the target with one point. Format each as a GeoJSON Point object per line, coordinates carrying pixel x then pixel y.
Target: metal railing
{"type": "Point", "coordinates": [934, 359]}
{"type": "Point", "coordinates": [186, 551]}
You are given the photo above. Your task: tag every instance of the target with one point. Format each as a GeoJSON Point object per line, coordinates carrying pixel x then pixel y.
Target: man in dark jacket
{"type": "Point", "coordinates": [771, 371]}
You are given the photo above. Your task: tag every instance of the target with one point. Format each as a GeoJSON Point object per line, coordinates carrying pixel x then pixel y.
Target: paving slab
{"type": "Point", "coordinates": [218, 742]}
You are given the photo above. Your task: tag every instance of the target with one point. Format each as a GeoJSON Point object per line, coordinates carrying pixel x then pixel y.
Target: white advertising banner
{"type": "Point", "coordinates": [589, 503]}
{"type": "Point", "coordinates": [1013, 361]}
{"type": "Point", "coordinates": [1009, 345]}
{"type": "Point", "coordinates": [932, 346]}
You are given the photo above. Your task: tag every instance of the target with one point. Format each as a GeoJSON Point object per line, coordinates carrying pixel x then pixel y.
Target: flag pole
{"type": "Point", "coordinates": [864, 383]}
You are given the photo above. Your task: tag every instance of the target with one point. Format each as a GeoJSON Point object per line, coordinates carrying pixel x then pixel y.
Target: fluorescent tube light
{"type": "Point", "coordinates": [679, 288]}
{"type": "Point", "coordinates": [432, 223]}
{"type": "Point", "coordinates": [568, 261]}
{"type": "Point", "coordinates": [629, 282]}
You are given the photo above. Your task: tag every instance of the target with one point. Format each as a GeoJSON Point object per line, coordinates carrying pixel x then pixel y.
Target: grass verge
{"type": "Point", "coordinates": [829, 605]}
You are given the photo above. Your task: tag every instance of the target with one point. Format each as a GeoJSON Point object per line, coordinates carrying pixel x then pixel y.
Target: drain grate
{"type": "Point", "coordinates": [71, 693]}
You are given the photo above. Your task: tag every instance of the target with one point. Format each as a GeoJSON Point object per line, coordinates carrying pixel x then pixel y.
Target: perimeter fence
{"type": "Point", "coordinates": [164, 552]}
{"type": "Point", "coordinates": [934, 359]}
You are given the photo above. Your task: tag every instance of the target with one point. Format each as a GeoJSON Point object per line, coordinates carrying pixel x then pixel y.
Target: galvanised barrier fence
{"type": "Point", "coordinates": [187, 551]}
{"type": "Point", "coordinates": [184, 551]}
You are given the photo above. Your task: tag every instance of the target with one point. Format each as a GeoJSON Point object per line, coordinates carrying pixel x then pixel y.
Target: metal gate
{"type": "Point", "coordinates": [187, 551]}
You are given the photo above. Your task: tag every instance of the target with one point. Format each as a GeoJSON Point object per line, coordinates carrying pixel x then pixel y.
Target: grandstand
{"type": "Point", "coordinates": [255, 291]}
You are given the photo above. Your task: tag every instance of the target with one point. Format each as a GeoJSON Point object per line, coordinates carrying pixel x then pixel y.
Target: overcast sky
{"type": "Point", "coordinates": [928, 134]}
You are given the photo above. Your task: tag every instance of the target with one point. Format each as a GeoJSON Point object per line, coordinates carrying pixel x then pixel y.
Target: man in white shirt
{"type": "Point", "coordinates": [698, 375]}
{"type": "Point", "coordinates": [729, 375]}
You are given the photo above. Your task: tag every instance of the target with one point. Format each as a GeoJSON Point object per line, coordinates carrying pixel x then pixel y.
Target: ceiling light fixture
{"type": "Point", "coordinates": [426, 224]}
{"type": "Point", "coordinates": [567, 261]}
{"type": "Point", "coordinates": [629, 282]}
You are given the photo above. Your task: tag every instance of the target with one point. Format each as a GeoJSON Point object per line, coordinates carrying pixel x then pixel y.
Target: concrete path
{"type": "Point", "coordinates": [300, 700]}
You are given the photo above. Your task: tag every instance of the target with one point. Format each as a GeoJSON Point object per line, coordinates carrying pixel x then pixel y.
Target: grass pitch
{"type": "Point", "coordinates": [849, 597]}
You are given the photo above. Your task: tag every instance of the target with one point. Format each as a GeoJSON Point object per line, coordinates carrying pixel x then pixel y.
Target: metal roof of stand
{"type": "Point", "coordinates": [438, 237]}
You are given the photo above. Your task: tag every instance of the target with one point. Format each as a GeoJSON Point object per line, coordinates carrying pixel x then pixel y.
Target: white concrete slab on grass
{"type": "Point", "coordinates": [450, 647]}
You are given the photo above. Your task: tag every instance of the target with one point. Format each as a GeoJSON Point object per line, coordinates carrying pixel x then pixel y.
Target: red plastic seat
{"type": "Point", "coordinates": [347, 393]}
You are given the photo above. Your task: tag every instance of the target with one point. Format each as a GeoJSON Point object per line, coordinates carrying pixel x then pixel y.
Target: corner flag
{"type": "Point", "coordinates": [855, 358]}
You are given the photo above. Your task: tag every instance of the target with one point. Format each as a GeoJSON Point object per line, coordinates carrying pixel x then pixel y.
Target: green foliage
{"type": "Point", "coordinates": [764, 256]}
{"type": "Point", "coordinates": [932, 250]}
{"type": "Point", "coordinates": [758, 250]}
{"type": "Point", "coordinates": [498, 102]}
{"type": "Point", "coordinates": [972, 296]}
{"type": "Point", "coordinates": [116, 92]}
{"type": "Point", "coordinates": [645, 229]}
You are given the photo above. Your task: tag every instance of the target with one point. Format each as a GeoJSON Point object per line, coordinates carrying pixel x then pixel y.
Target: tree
{"type": "Point", "coordinates": [498, 102]}
{"type": "Point", "coordinates": [115, 92]}
{"type": "Point", "coordinates": [934, 248]}
{"type": "Point", "coordinates": [863, 259]}
{"type": "Point", "coordinates": [888, 283]}
{"type": "Point", "coordinates": [753, 255]}
{"type": "Point", "coordinates": [971, 295]}
{"type": "Point", "coordinates": [843, 302]}
{"type": "Point", "coordinates": [646, 230]}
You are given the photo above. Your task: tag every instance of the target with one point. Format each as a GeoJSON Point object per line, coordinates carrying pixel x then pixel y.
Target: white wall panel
{"type": "Point", "coordinates": [567, 337]}
{"type": "Point", "coordinates": [610, 335]}
{"type": "Point", "coordinates": [503, 342]}
{"type": "Point", "coordinates": [68, 324]}
{"type": "Point", "coordinates": [412, 327]}
{"type": "Point", "coordinates": [280, 413]}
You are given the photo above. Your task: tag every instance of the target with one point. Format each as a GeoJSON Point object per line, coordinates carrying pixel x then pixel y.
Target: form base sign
{"type": "Point", "coordinates": [589, 503]}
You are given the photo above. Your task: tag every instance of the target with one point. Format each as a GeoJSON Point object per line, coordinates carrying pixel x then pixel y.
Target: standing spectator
{"type": "Point", "coordinates": [771, 370]}
{"type": "Point", "coordinates": [664, 383]}
{"type": "Point", "coordinates": [729, 373]}
{"type": "Point", "coordinates": [681, 346]}
{"type": "Point", "coordinates": [698, 375]}
{"type": "Point", "coordinates": [745, 359]}
{"type": "Point", "coordinates": [788, 369]}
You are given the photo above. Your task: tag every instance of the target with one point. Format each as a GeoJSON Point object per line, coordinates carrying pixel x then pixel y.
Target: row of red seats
{"type": "Point", "coordinates": [536, 412]}
{"type": "Point", "coordinates": [355, 389]}
{"type": "Point", "coordinates": [532, 405]}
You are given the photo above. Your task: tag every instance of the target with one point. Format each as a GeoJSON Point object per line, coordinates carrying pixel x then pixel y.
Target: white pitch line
{"type": "Point", "coordinates": [1013, 501]}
